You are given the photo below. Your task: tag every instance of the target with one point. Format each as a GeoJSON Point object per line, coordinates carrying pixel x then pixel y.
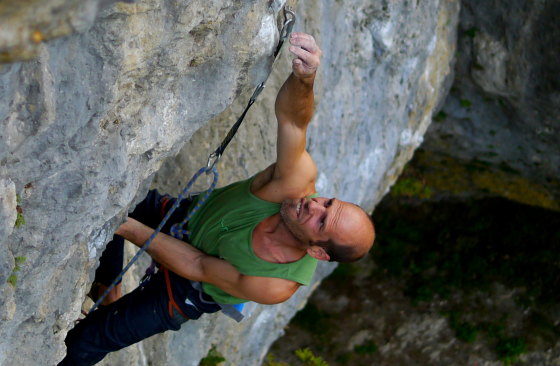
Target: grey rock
{"type": "Point", "coordinates": [502, 115]}
{"type": "Point", "coordinates": [8, 204]}
{"type": "Point", "coordinates": [89, 120]}
{"type": "Point", "coordinates": [8, 216]}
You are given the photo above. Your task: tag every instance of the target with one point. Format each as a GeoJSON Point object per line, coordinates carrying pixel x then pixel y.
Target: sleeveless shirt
{"type": "Point", "coordinates": [223, 227]}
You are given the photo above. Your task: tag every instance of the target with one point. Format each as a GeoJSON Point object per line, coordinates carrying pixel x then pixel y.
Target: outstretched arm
{"type": "Point", "coordinates": [293, 175]}
{"type": "Point", "coordinates": [189, 262]}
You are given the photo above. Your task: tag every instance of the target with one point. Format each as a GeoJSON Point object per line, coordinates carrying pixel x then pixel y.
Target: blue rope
{"type": "Point", "coordinates": [176, 230]}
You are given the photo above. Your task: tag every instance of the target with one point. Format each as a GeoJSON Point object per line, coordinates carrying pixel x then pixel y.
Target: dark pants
{"type": "Point", "coordinates": [143, 312]}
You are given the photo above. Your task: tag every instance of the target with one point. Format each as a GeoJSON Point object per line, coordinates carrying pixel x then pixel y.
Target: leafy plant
{"type": "Point", "coordinates": [20, 220]}
{"type": "Point", "coordinates": [308, 358]}
{"type": "Point", "coordinates": [271, 361]}
{"type": "Point", "coordinates": [367, 348]}
{"type": "Point", "coordinates": [12, 278]}
{"type": "Point", "coordinates": [464, 331]}
{"type": "Point", "coordinates": [213, 358]}
{"type": "Point", "coordinates": [471, 32]}
{"type": "Point", "coordinates": [440, 117]}
{"type": "Point", "coordinates": [410, 187]}
{"type": "Point", "coordinates": [509, 349]}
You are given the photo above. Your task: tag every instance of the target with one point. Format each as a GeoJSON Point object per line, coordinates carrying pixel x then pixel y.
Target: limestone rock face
{"type": "Point", "coordinates": [502, 117]}
{"type": "Point", "coordinates": [91, 117]}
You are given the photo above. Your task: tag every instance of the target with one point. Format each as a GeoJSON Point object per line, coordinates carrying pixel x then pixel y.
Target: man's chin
{"type": "Point", "coordinates": [285, 209]}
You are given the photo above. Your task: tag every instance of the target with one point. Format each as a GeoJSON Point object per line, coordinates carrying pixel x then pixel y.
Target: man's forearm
{"type": "Point", "coordinates": [295, 100]}
{"type": "Point", "coordinates": [170, 252]}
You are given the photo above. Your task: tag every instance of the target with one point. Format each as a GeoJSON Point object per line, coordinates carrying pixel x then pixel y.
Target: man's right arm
{"type": "Point", "coordinates": [189, 262]}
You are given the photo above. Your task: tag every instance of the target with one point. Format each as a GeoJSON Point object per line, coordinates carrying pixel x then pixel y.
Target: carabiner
{"type": "Point", "coordinates": [256, 93]}
{"type": "Point", "coordinates": [290, 20]}
{"type": "Point", "coordinates": [212, 160]}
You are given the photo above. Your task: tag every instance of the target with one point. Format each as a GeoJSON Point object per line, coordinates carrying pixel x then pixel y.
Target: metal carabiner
{"type": "Point", "coordinates": [256, 93]}
{"type": "Point", "coordinates": [290, 20]}
{"type": "Point", "coordinates": [212, 160]}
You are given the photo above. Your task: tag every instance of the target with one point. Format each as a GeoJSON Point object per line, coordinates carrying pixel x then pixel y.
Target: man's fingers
{"type": "Point", "coordinates": [307, 53]}
{"type": "Point", "coordinates": [300, 52]}
{"type": "Point", "coordinates": [305, 58]}
{"type": "Point", "coordinates": [304, 41]}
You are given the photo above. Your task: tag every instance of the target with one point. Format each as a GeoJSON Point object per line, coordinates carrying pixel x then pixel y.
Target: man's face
{"type": "Point", "coordinates": [314, 220]}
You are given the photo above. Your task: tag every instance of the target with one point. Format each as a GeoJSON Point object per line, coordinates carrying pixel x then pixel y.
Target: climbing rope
{"type": "Point", "coordinates": [177, 230]}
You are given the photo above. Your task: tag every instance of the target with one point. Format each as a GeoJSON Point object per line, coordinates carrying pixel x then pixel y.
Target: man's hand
{"type": "Point", "coordinates": [308, 55]}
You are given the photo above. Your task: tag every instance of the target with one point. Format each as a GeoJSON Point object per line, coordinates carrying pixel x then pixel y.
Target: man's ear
{"type": "Point", "coordinates": [318, 253]}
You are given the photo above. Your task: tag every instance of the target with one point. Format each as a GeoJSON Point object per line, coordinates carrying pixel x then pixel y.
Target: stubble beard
{"type": "Point", "coordinates": [290, 223]}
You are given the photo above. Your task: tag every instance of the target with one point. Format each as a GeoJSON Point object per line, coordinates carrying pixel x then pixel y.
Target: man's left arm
{"type": "Point", "coordinates": [189, 262]}
{"type": "Point", "coordinates": [293, 175]}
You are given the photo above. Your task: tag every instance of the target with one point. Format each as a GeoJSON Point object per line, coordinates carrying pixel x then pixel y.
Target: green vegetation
{"type": "Point", "coordinates": [410, 187]}
{"type": "Point", "coordinates": [465, 331]}
{"type": "Point", "coordinates": [20, 220]}
{"type": "Point", "coordinates": [213, 358]}
{"type": "Point", "coordinates": [304, 355]}
{"type": "Point", "coordinates": [465, 103]}
{"type": "Point", "coordinates": [308, 358]}
{"type": "Point", "coordinates": [440, 116]}
{"type": "Point", "coordinates": [271, 361]}
{"type": "Point", "coordinates": [509, 349]}
{"type": "Point", "coordinates": [12, 278]}
{"type": "Point", "coordinates": [471, 32]}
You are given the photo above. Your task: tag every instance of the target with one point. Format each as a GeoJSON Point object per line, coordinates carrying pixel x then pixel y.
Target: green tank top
{"type": "Point", "coordinates": [223, 227]}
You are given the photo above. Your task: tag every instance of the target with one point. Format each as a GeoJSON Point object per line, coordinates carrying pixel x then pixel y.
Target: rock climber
{"type": "Point", "coordinates": [254, 240]}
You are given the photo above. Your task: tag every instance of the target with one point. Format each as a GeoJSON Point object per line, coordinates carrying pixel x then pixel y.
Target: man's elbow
{"type": "Point", "coordinates": [275, 296]}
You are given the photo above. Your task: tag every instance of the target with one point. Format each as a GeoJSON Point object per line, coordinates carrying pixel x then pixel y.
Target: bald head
{"type": "Point", "coordinates": [354, 236]}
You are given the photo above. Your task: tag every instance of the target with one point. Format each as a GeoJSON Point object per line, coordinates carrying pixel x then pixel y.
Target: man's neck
{"type": "Point", "coordinates": [273, 242]}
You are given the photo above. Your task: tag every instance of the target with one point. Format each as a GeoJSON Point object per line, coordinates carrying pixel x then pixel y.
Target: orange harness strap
{"type": "Point", "coordinates": [171, 304]}
{"type": "Point", "coordinates": [165, 201]}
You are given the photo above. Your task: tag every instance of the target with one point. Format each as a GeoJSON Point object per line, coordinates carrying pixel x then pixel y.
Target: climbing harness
{"type": "Point", "coordinates": [177, 230]}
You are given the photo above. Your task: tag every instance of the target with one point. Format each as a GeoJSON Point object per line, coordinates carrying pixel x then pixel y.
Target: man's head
{"type": "Point", "coordinates": [332, 229]}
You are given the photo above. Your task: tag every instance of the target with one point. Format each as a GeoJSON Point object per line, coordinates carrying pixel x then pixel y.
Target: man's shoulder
{"type": "Point", "coordinates": [270, 185]}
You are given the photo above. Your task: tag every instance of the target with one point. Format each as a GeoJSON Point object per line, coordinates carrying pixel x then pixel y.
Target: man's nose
{"type": "Point", "coordinates": [315, 206]}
